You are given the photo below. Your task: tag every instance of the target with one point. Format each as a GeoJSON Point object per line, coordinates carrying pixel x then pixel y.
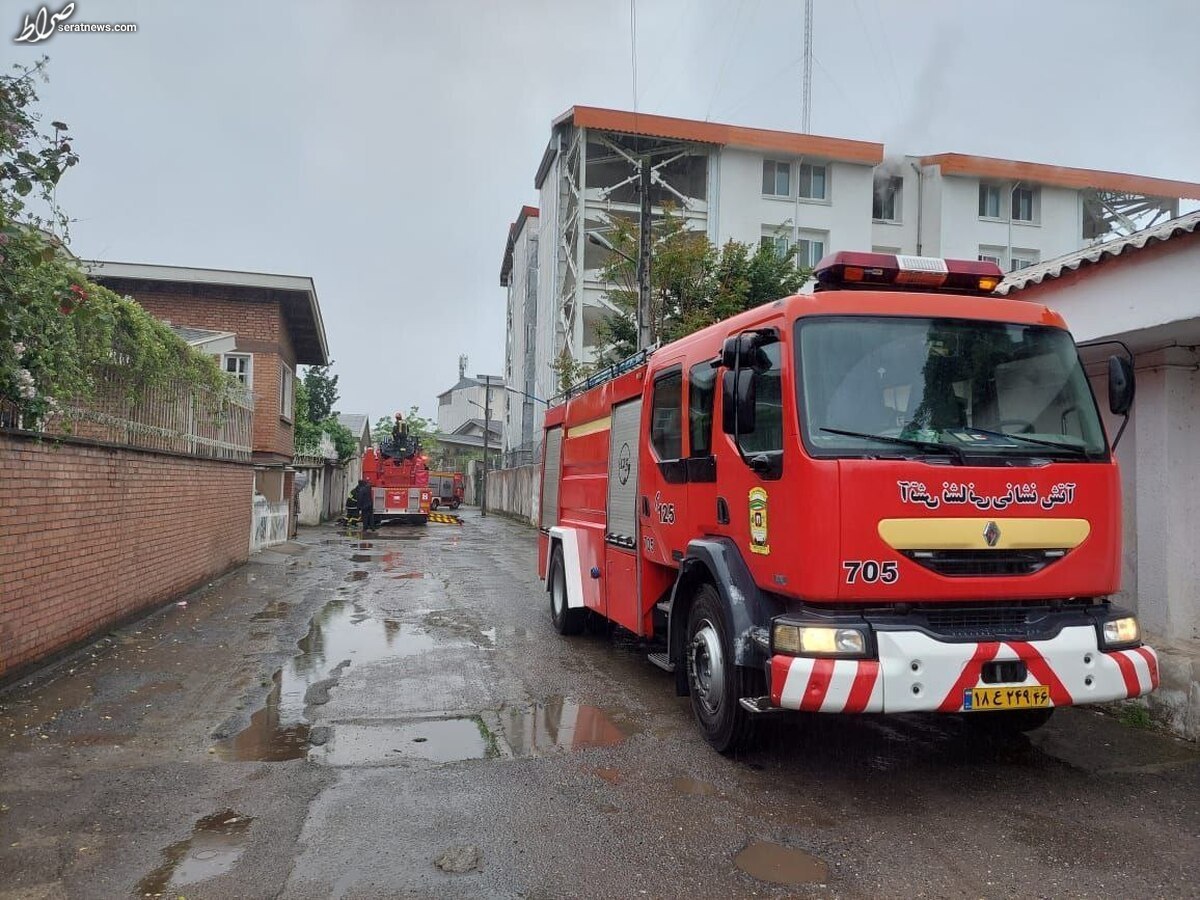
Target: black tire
{"type": "Point", "coordinates": [566, 619]}
{"type": "Point", "coordinates": [1012, 721]}
{"type": "Point", "coordinates": [434, 504]}
{"type": "Point", "coordinates": [722, 720]}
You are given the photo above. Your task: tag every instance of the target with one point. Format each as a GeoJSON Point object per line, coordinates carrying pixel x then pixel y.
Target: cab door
{"type": "Point", "coordinates": [662, 504]}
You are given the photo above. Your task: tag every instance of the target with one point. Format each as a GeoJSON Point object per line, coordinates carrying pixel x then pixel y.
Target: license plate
{"type": "Point", "coordinates": [1026, 696]}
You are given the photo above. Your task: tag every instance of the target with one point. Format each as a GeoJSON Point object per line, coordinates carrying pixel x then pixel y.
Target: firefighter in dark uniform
{"type": "Point", "coordinates": [365, 496]}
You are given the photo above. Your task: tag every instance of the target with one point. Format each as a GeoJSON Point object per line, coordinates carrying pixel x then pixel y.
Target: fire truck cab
{"type": "Point", "coordinates": [894, 494]}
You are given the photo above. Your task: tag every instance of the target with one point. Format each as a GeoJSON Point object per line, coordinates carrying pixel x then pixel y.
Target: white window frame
{"type": "Point", "coordinates": [897, 195]}
{"type": "Point", "coordinates": [777, 163]}
{"type": "Point", "coordinates": [1035, 196]}
{"type": "Point", "coordinates": [804, 247]}
{"type": "Point", "coordinates": [992, 253]}
{"type": "Point", "coordinates": [287, 392]}
{"type": "Point", "coordinates": [1024, 256]}
{"type": "Point", "coordinates": [246, 377]}
{"type": "Point", "coordinates": [811, 166]}
{"type": "Point", "coordinates": [999, 189]}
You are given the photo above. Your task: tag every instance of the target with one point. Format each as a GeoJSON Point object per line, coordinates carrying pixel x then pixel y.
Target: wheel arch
{"type": "Point", "coordinates": [717, 561]}
{"type": "Point", "coordinates": [567, 540]}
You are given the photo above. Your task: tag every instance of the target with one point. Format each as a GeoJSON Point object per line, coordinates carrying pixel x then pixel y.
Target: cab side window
{"type": "Point", "coordinates": [666, 416]}
{"type": "Point", "coordinates": [768, 404]}
{"type": "Point", "coordinates": [702, 382]}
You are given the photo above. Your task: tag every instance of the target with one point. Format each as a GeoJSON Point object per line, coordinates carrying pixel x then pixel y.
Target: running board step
{"type": "Point", "coordinates": [664, 607]}
{"type": "Point", "coordinates": [760, 706]}
{"type": "Point", "coordinates": [662, 660]}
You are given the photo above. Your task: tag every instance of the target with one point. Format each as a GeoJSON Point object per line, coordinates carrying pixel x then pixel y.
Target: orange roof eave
{"type": "Point", "coordinates": [1061, 176]}
{"type": "Point", "coordinates": [791, 143]}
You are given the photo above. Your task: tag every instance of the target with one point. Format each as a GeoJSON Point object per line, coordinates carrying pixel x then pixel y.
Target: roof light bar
{"type": "Point", "coordinates": [848, 270]}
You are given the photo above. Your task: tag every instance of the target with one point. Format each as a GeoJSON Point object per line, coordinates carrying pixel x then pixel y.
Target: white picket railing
{"type": "Point", "coordinates": [269, 525]}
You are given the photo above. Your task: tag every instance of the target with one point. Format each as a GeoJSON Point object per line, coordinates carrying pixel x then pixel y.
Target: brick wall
{"type": "Point", "coordinates": [91, 535]}
{"type": "Point", "coordinates": [261, 331]}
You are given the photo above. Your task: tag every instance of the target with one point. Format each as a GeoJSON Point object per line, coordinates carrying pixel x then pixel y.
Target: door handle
{"type": "Point", "coordinates": [722, 511]}
{"type": "Point", "coordinates": [645, 507]}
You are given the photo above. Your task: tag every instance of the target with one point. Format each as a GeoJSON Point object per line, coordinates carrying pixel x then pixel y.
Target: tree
{"type": "Point", "coordinates": [314, 418]}
{"type": "Point", "coordinates": [322, 392]}
{"type": "Point", "coordinates": [692, 283]}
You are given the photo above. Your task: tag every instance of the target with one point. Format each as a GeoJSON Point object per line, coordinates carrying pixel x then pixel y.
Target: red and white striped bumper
{"type": "Point", "coordinates": [916, 673]}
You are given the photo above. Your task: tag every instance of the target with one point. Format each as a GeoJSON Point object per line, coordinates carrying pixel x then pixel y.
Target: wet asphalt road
{"type": "Point", "coordinates": [335, 716]}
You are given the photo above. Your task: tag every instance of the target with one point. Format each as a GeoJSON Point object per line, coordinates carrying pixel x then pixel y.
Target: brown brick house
{"type": "Point", "coordinates": [276, 325]}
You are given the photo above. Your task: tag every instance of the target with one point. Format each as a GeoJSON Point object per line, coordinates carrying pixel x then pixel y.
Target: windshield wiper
{"type": "Point", "coordinates": [1074, 448]}
{"type": "Point", "coordinates": [935, 446]}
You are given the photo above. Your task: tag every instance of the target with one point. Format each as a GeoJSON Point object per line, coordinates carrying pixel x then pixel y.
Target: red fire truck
{"type": "Point", "coordinates": [399, 479]}
{"type": "Point", "coordinates": [895, 494]}
{"type": "Point", "coordinates": [448, 489]}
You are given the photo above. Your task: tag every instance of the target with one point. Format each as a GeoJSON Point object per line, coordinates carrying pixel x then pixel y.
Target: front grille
{"type": "Point", "coordinates": [958, 563]}
{"type": "Point", "coordinates": [972, 622]}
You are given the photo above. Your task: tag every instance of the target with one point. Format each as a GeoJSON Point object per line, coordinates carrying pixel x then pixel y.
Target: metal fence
{"type": "Point", "coordinates": [173, 416]}
{"type": "Point", "coordinates": [269, 524]}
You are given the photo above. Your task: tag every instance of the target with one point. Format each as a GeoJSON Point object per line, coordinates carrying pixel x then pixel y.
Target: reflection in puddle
{"type": "Point", "coordinates": [356, 576]}
{"type": "Point", "coordinates": [276, 609]}
{"type": "Point", "coordinates": [781, 865]}
{"type": "Point", "coordinates": [435, 740]}
{"type": "Point", "coordinates": [558, 724]}
{"type": "Point", "coordinates": [216, 844]}
{"type": "Point", "coordinates": [341, 632]}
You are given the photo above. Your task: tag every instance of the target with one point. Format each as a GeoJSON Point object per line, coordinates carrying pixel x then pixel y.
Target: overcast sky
{"type": "Point", "coordinates": [384, 147]}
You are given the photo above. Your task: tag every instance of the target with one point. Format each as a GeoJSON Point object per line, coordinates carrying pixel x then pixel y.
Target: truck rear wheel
{"type": "Point", "coordinates": [566, 620]}
{"type": "Point", "coordinates": [434, 504]}
{"type": "Point", "coordinates": [715, 683]}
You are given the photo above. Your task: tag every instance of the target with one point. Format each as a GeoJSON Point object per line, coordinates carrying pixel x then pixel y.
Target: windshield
{"type": "Point", "coordinates": [967, 385]}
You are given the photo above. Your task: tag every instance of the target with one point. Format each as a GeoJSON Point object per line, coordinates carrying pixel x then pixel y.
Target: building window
{"type": "Point", "coordinates": [287, 392]}
{"type": "Point", "coordinates": [989, 201]}
{"type": "Point", "coordinates": [1023, 204]}
{"type": "Point", "coordinates": [886, 205]}
{"type": "Point", "coordinates": [666, 416]}
{"type": "Point", "coordinates": [777, 178]}
{"type": "Point", "coordinates": [1022, 259]}
{"type": "Point", "coordinates": [812, 182]}
{"type": "Point", "coordinates": [810, 247]}
{"type": "Point", "coordinates": [992, 255]}
{"type": "Point", "coordinates": [781, 244]}
{"type": "Point", "coordinates": [240, 366]}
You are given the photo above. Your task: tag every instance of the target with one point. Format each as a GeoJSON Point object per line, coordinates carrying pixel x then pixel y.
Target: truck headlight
{"type": "Point", "coordinates": [1121, 632]}
{"type": "Point", "coordinates": [819, 640]}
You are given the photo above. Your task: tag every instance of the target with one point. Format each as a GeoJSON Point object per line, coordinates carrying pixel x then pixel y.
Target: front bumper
{"type": "Point", "coordinates": [915, 672]}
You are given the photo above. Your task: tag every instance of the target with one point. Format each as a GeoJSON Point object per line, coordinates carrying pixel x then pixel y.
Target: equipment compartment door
{"type": "Point", "coordinates": [621, 526]}
{"type": "Point", "coordinates": [552, 474]}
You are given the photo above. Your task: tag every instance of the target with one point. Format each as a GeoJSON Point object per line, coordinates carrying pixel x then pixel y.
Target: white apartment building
{"type": "Point", "coordinates": [463, 405]}
{"type": "Point", "coordinates": [805, 192]}
{"type": "Point", "coordinates": [530, 386]}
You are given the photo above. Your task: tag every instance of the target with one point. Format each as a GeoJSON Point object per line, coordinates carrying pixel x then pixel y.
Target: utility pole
{"type": "Point", "coordinates": [487, 430]}
{"type": "Point", "coordinates": [643, 268]}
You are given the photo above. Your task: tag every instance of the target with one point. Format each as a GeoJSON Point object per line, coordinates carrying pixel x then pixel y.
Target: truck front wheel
{"type": "Point", "coordinates": [566, 620]}
{"type": "Point", "coordinates": [715, 682]}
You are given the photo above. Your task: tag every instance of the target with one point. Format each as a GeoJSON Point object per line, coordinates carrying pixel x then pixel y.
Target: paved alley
{"type": "Point", "coordinates": [395, 717]}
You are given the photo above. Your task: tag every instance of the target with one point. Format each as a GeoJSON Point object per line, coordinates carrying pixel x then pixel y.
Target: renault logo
{"type": "Point", "coordinates": [991, 534]}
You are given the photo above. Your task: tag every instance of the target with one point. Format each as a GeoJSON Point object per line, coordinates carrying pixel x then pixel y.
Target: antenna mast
{"type": "Point", "coordinates": [806, 97]}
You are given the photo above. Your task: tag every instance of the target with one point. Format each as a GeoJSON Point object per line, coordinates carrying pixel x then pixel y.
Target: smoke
{"type": "Point", "coordinates": [929, 94]}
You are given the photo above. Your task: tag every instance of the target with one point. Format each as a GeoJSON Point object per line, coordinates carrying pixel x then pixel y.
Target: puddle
{"type": "Point", "coordinates": [694, 788]}
{"type": "Point", "coordinates": [340, 634]}
{"type": "Point", "coordinates": [612, 776]}
{"type": "Point", "coordinates": [409, 575]}
{"type": "Point", "coordinates": [781, 865]}
{"type": "Point", "coordinates": [356, 576]}
{"type": "Point", "coordinates": [363, 557]}
{"type": "Point", "coordinates": [432, 740]}
{"type": "Point", "coordinates": [216, 844]}
{"type": "Point", "coordinates": [559, 724]}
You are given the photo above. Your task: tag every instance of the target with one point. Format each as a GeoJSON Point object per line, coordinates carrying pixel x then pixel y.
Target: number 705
{"type": "Point", "coordinates": [869, 571]}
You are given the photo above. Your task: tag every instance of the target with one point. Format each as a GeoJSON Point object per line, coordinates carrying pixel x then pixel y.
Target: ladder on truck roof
{"type": "Point", "coordinates": [608, 373]}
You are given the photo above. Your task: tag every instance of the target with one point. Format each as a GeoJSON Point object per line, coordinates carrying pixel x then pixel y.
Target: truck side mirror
{"type": "Point", "coordinates": [1120, 385]}
{"type": "Point", "coordinates": [738, 394]}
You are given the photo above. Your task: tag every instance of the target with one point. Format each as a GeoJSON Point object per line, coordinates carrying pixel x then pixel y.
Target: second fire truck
{"type": "Point", "coordinates": [895, 494]}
